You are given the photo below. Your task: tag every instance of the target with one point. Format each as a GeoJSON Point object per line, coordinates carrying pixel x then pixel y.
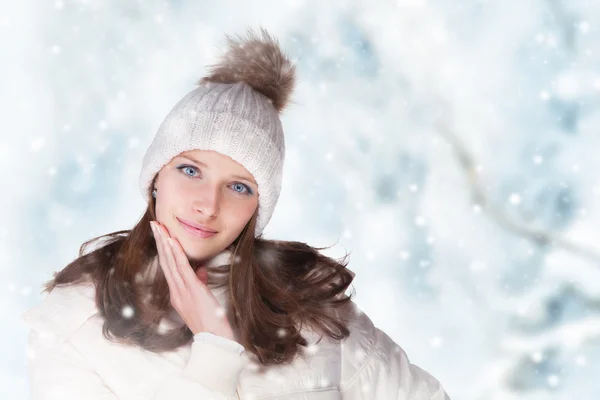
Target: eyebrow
{"type": "Point", "coordinates": [243, 178]}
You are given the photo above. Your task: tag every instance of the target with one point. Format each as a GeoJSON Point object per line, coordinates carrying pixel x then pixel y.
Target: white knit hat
{"type": "Point", "coordinates": [234, 111]}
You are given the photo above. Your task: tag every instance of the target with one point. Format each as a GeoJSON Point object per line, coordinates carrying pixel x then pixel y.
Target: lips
{"type": "Point", "coordinates": [196, 229]}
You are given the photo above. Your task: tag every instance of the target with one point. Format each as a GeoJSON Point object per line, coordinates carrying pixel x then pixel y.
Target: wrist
{"type": "Point", "coordinates": [227, 334]}
{"type": "Point", "coordinates": [224, 334]}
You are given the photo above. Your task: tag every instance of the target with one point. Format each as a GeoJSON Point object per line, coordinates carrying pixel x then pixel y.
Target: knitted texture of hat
{"type": "Point", "coordinates": [234, 111]}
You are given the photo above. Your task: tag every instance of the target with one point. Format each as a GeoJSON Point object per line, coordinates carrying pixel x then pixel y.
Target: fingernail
{"type": "Point", "coordinates": [170, 241]}
{"type": "Point", "coordinates": [155, 229]}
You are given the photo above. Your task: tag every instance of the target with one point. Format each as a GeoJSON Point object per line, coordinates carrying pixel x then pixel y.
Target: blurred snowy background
{"type": "Point", "coordinates": [449, 146]}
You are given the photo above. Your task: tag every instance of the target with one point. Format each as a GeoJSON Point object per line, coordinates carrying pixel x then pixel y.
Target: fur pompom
{"type": "Point", "coordinates": [258, 61]}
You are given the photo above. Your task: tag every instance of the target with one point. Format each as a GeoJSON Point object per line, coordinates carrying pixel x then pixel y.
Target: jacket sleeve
{"type": "Point", "coordinates": [375, 367]}
{"type": "Point", "coordinates": [212, 372]}
{"type": "Point", "coordinates": [57, 371]}
{"type": "Point", "coordinates": [225, 343]}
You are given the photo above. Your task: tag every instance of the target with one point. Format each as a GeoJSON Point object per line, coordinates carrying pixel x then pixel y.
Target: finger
{"type": "Point", "coordinates": [182, 261]}
{"type": "Point", "coordinates": [170, 259]}
{"type": "Point", "coordinates": [162, 260]}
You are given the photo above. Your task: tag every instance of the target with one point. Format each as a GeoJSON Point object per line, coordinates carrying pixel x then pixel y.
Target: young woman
{"type": "Point", "coordinates": [192, 303]}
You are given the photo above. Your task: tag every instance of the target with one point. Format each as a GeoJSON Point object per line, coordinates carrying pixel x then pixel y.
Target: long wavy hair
{"type": "Point", "coordinates": [273, 285]}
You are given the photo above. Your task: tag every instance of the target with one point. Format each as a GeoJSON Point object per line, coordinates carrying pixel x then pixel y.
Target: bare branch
{"type": "Point", "coordinates": [480, 197]}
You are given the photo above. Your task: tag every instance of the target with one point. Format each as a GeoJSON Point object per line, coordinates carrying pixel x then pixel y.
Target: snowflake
{"type": "Point", "coordinates": [581, 360]}
{"type": "Point", "coordinates": [477, 266]}
{"type": "Point", "coordinates": [436, 341]}
{"type": "Point", "coordinates": [220, 311]}
{"type": "Point", "coordinates": [537, 357]}
{"type": "Point", "coordinates": [553, 380]}
{"type": "Point", "coordinates": [312, 348]}
{"type": "Point", "coordinates": [139, 277]}
{"type": "Point", "coordinates": [540, 38]}
{"type": "Point", "coordinates": [37, 144]}
{"type": "Point", "coordinates": [127, 312]}
{"type": "Point", "coordinates": [163, 327]}
{"type": "Point", "coordinates": [420, 221]}
{"type": "Point", "coordinates": [514, 199]}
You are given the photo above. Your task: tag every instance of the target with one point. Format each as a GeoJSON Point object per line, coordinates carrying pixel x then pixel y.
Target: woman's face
{"type": "Point", "coordinates": [209, 189]}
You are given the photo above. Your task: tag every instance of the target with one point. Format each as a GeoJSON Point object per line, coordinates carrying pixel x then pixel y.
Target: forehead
{"type": "Point", "coordinates": [213, 159]}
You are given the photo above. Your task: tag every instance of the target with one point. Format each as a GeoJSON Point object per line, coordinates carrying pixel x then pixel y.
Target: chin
{"type": "Point", "coordinates": [198, 255]}
{"type": "Point", "coordinates": [193, 253]}
{"type": "Point", "coordinates": [202, 249]}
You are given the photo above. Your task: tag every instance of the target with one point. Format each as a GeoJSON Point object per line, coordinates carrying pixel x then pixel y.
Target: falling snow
{"type": "Point", "coordinates": [438, 223]}
{"type": "Point", "coordinates": [127, 312]}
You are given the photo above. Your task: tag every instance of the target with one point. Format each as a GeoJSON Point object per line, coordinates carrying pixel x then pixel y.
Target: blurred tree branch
{"type": "Point", "coordinates": [541, 237]}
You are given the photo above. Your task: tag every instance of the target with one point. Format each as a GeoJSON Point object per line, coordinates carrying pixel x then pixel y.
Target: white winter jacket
{"type": "Point", "coordinates": [70, 359]}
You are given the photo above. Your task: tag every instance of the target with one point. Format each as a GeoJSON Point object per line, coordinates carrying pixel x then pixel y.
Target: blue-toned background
{"type": "Point", "coordinates": [452, 147]}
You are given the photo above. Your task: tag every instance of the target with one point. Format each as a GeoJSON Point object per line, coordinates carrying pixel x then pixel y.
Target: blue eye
{"type": "Point", "coordinates": [241, 186]}
{"type": "Point", "coordinates": [187, 167]}
{"type": "Point", "coordinates": [237, 187]}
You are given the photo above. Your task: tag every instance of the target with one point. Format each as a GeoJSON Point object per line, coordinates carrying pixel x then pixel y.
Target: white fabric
{"type": "Point", "coordinates": [232, 119]}
{"type": "Point", "coordinates": [222, 342]}
{"type": "Point", "coordinates": [70, 359]}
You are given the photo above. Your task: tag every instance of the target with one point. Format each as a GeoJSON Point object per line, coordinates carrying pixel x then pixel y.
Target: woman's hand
{"type": "Point", "coordinates": [189, 295]}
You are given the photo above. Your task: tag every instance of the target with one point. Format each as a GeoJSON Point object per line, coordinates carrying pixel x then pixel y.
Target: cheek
{"type": "Point", "coordinates": [240, 214]}
{"type": "Point", "coordinates": [176, 188]}
{"type": "Point", "coordinates": [170, 196]}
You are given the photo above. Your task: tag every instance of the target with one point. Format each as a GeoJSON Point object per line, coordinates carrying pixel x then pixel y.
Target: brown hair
{"type": "Point", "coordinates": [273, 285]}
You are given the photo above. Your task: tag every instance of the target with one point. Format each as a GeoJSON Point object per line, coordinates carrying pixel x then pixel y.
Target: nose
{"type": "Point", "coordinates": [207, 201]}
